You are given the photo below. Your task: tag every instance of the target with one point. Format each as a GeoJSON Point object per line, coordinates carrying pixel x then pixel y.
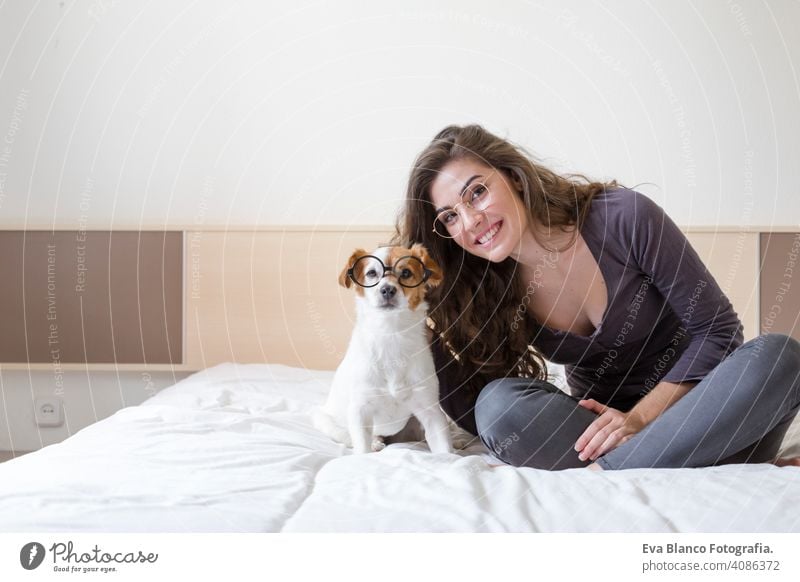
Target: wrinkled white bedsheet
{"type": "Point", "coordinates": [232, 448]}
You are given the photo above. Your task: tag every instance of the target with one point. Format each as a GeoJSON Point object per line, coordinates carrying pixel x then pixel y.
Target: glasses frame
{"type": "Point", "coordinates": [466, 203]}
{"type": "Point", "coordinates": [426, 272]}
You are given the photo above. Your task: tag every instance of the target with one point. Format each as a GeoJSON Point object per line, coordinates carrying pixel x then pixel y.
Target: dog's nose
{"type": "Point", "coordinates": [388, 291]}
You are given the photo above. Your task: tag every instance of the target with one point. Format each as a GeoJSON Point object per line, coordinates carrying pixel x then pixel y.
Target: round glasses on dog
{"type": "Point", "coordinates": [477, 196]}
{"type": "Point", "coordinates": [368, 270]}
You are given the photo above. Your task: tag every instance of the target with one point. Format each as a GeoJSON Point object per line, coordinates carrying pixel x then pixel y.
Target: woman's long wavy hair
{"type": "Point", "coordinates": [473, 309]}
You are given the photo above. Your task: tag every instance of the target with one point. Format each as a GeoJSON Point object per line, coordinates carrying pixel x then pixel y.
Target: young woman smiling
{"type": "Point", "coordinates": [597, 277]}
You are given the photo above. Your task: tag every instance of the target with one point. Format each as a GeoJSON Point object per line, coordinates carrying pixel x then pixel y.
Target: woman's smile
{"type": "Point", "coordinates": [489, 236]}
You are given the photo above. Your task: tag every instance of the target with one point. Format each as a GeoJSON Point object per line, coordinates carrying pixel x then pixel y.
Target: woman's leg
{"type": "Point", "coordinates": [531, 423]}
{"type": "Point", "coordinates": [738, 413]}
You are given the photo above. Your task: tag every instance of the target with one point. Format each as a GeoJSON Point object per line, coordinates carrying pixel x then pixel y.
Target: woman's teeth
{"type": "Point", "coordinates": [489, 235]}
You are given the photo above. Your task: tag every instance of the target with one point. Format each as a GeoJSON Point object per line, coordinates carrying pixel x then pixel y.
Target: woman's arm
{"type": "Point", "coordinates": [613, 427]}
{"type": "Point", "coordinates": [661, 397]}
{"type": "Point", "coordinates": [453, 398]}
{"type": "Point", "coordinates": [659, 249]}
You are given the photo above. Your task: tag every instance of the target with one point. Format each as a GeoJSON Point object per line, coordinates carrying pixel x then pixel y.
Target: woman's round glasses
{"type": "Point", "coordinates": [368, 270]}
{"type": "Point", "coordinates": [477, 196]}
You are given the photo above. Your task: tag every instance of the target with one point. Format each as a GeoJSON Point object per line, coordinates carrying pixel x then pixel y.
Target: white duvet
{"type": "Point", "coordinates": [232, 448]}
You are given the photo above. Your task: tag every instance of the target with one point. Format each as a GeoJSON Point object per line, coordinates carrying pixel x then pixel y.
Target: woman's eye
{"type": "Point", "coordinates": [449, 218]}
{"type": "Point", "coordinates": [479, 191]}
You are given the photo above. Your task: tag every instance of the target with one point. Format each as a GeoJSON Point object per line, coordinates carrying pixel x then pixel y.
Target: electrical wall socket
{"type": "Point", "coordinates": [49, 411]}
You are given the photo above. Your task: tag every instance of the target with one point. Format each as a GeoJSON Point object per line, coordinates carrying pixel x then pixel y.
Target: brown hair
{"type": "Point", "coordinates": [473, 309]}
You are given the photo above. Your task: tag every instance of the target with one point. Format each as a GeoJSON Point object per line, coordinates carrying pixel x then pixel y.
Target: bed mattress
{"type": "Point", "coordinates": [232, 449]}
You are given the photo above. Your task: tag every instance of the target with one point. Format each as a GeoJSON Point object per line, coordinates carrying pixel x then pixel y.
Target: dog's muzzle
{"type": "Point", "coordinates": [388, 293]}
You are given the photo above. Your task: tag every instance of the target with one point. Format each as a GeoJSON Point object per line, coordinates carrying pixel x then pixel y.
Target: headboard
{"type": "Point", "coordinates": [270, 294]}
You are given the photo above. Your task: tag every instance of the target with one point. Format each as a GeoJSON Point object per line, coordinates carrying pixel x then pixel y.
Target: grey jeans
{"type": "Point", "coordinates": [738, 413]}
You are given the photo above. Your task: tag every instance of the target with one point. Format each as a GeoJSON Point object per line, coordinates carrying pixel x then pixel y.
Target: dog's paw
{"type": "Point", "coordinates": [462, 442]}
{"type": "Point", "coordinates": [378, 444]}
{"type": "Point", "coordinates": [461, 438]}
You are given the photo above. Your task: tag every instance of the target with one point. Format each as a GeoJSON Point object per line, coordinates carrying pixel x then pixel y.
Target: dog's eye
{"type": "Point", "coordinates": [405, 274]}
{"type": "Point", "coordinates": [371, 273]}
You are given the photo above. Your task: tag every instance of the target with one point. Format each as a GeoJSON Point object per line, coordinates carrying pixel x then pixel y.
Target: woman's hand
{"type": "Point", "coordinates": [609, 430]}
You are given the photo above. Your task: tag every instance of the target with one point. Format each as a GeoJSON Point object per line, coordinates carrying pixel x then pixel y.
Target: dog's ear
{"type": "Point", "coordinates": [419, 251]}
{"type": "Point", "coordinates": [344, 280]}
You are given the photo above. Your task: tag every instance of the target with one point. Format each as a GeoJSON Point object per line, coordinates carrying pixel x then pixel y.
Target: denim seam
{"type": "Point", "coordinates": [604, 463]}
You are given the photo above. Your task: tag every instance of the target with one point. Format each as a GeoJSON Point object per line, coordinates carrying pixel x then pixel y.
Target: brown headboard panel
{"type": "Point", "coordinates": [91, 297]}
{"type": "Point", "coordinates": [780, 299]}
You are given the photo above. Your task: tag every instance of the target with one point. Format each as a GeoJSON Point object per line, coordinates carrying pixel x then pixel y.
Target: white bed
{"type": "Point", "coordinates": [232, 449]}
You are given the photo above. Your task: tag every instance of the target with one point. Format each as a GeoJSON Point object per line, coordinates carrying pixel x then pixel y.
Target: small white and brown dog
{"type": "Point", "coordinates": [387, 376]}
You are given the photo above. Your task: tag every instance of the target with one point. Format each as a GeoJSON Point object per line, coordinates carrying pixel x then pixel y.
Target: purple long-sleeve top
{"type": "Point", "coordinates": [666, 319]}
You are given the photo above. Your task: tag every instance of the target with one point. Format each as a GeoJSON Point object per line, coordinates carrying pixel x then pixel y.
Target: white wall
{"type": "Point", "coordinates": [311, 112]}
{"type": "Point", "coordinates": [119, 114]}
{"type": "Point", "coordinates": [86, 399]}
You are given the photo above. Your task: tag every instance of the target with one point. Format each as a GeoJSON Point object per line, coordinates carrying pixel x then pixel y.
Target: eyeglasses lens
{"type": "Point", "coordinates": [367, 271]}
{"type": "Point", "coordinates": [409, 271]}
{"type": "Point", "coordinates": [449, 223]}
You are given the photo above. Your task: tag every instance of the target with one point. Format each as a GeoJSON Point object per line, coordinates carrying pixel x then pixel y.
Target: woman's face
{"type": "Point", "coordinates": [505, 209]}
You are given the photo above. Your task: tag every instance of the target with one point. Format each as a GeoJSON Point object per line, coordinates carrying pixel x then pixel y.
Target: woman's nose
{"type": "Point", "coordinates": [472, 218]}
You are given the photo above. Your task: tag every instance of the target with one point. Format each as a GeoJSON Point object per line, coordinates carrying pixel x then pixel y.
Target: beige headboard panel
{"type": "Point", "coordinates": [272, 295]}
{"type": "Point", "coordinates": [732, 258]}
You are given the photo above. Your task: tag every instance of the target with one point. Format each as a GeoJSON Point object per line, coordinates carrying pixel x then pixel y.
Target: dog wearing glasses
{"type": "Point", "coordinates": [387, 377]}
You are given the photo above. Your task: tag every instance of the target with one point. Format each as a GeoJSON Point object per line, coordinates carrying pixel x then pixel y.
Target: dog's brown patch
{"type": "Point", "coordinates": [416, 295]}
{"type": "Point", "coordinates": [346, 281]}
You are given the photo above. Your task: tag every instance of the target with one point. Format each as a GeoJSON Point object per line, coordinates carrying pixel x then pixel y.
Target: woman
{"type": "Point", "coordinates": [597, 277]}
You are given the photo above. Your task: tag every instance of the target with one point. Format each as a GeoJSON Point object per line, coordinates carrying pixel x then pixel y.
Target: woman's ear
{"type": "Point", "coordinates": [344, 280]}
{"type": "Point", "coordinates": [516, 181]}
{"type": "Point", "coordinates": [437, 276]}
